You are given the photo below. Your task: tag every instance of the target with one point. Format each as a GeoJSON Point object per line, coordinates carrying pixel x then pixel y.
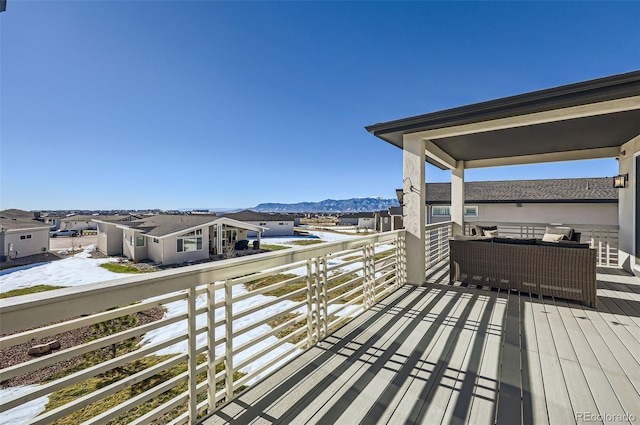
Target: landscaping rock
{"type": "Point", "coordinates": [54, 345]}
{"type": "Point", "coordinates": [39, 349]}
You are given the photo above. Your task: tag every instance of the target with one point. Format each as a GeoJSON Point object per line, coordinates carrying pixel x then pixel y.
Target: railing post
{"type": "Point", "coordinates": [318, 301]}
{"type": "Point", "coordinates": [323, 297]}
{"type": "Point", "coordinates": [211, 344]}
{"type": "Point", "coordinates": [228, 344]}
{"type": "Point", "coordinates": [310, 304]}
{"type": "Point", "coordinates": [427, 248]}
{"type": "Point", "coordinates": [191, 355]}
{"type": "Point", "coordinates": [401, 260]}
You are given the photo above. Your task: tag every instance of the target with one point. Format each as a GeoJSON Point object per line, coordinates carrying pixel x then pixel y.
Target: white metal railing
{"type": "Point", "coordinates": [603, 238]}
{"type": "Point", "coordinates": [236, 320]}
{"type": "Point", "coordinates": [437, 242]}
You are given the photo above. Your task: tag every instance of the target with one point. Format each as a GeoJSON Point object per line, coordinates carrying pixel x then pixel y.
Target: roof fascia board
{"type": "Point", "coordinates": [223, 220]}
{"type": "Point", "coordinates": [553, 115]}
{"type": "Point", "coordinates": [25, 229]}
{"type": "Point", "coordinates": [581, 89]}
{"type": "Point", "coordinates": [611, 152]}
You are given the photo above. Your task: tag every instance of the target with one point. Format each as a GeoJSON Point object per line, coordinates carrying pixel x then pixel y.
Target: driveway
{"type": "Point", "coordinates": [66, 242]}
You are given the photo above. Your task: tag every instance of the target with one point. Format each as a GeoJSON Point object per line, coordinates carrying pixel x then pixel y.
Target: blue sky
{"type": "Point", "coordinates": [167, 104]}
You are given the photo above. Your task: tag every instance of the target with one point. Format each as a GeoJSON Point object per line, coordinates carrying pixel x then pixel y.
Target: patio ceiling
{"type": "Point", "coordinates": [591, 119]}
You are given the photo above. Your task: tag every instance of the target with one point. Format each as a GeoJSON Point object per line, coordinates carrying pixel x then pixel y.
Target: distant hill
{"type": "Point", "coordinates": [331, 205]}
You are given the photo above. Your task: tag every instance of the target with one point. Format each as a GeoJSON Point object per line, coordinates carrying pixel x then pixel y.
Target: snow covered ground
{"type": "Point", "coordinates": [71, 271]}
{"type": "Point", "coordinates": [24, 413]}
{"type": "Point", "coordinates": [82, 270]}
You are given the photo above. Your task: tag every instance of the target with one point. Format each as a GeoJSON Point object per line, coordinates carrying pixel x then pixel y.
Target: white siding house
{"type": "Point", "coordinates": [171, 239]}
{"type": "Point", "coordinates": [22, 237]}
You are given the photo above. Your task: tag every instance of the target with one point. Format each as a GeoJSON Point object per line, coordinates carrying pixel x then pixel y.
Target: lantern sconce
{"type": "Point", "coordinates": [620, 181]}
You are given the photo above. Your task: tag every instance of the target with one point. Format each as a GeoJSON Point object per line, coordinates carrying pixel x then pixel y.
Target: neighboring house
{"type": "Point", "coordinates": [569, 201]}
{"type": "Point", "coordinates": [364, 220]}
{"type": "Point", "coordinates": [85, 222]}
{"type": "Point", "coordinates": [384, 221]}
{"type": "Point", "coordinates": [396, 217]}
{"type": "Point", "coordinates": [21, 236]}
{"type": "Point", "coordinates": [52, 220]}
{"type": "Point", "coordinates": [276, 224]}
{"type": "Point", "coordinates": [170, 239]}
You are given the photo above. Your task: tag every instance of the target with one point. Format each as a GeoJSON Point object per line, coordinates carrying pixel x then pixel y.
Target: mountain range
{"type": "Point", "coordinates": [330, 205]}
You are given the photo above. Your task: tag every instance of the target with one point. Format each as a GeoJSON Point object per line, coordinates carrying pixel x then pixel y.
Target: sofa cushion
{"type": "Point", "coordinates": [515, 241]}
{"type": "Point", "coordinates": [473, 238]}
{"type": "Point", "coordinates": [552, 237]}
{"type": "Point", "coordinates": [566, 232]}
{"type": "Point", "coordinates": [480, 230]}
{"type": "Point", "coordinates": [564, 244]}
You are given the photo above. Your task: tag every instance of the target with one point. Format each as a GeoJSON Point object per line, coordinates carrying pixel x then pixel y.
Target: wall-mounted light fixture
{"type": "Point", "coordinates": [409, 187]}
{"type": "Point", "coordinates": [620, 181]}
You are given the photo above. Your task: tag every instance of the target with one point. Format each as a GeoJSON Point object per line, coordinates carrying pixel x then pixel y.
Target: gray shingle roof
{"type": "Point", "coordinates": [16, 213]}
{"type": "Point", "coordinates": [162, 225]}
{"type": "Point", "coordinates": [581, 190]}
{"type": "Point", "coordinates": [248, 215]}
{"type": "Point", "coordinates": [13, 223]}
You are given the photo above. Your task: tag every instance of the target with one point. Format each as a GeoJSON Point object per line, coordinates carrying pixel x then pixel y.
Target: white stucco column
{"type": "Point", "coordinates": [414, 208]}
{"type": "Point", "coordinates": [457, 198]}
{"type": "Point", "coordinates": [629, 208]}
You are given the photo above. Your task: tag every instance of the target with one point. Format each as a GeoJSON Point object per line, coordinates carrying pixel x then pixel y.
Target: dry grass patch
{"type": "Point", "coordinates": [62, 397]}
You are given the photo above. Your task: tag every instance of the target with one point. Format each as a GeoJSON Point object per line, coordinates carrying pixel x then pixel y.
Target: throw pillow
{"type": "Point", "coordinates": [566, 232]}
{"type": "Point", "coordinates": [482, 230]}
{"type": "Point", "coordinates": [550, 237]}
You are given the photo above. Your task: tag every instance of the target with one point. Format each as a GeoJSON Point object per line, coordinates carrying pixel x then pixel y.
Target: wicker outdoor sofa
{"type": "Point", "coordinates": [564, 269]}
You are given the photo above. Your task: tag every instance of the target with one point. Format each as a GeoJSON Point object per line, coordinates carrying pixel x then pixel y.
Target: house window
{"type": "Point", "coordinates": [445, 210]}
{"type": "Point", "coordinates": [280, 224]}
{"type": "Point", "coordinates": [190, 242]}
{"type": "Point", "coordinates": [156, 240]}
{"type": "Point", "coordinates": [263, 224]}
{"type": "Point", "coordinates": [25, 236]}
{"type": "Point", "coordinates": [440, 210]}
{"type": "Point", "coordinates": [470, 211]}
{"type": "Point", "coordinates": [229, 236]}
{"type": "Point", "coordinates": [140, 240]}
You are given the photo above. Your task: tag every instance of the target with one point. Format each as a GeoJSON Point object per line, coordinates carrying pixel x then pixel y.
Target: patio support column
{"type": "Point", "coordinates": [457, 198]}
{"type": "Point", "coordinates": [414, 208]}
{"type": "Point", "coordinates": [219, 238]}
{"type": "Point", "coordinates": [629, 208]}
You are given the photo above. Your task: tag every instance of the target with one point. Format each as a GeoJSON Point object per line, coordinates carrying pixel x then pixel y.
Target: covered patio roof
{"type": "Point", "coordinates": [586, 120]}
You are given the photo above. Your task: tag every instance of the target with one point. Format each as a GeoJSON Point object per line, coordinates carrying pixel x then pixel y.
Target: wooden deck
{"type": "Point", "coordinates": [442, 354]}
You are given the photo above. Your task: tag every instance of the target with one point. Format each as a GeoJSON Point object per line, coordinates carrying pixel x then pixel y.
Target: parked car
{"type": "Point", "coordinates": [64, 232]}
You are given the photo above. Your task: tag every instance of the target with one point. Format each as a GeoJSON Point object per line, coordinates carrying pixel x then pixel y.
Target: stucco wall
{"type": "Point", "coordinates": [109, 239]}
{"type": "Point", "coordinates": [172, 256]}
{"type": "Point", "coordinates": [36, 244]}
{"type": "Point", "coordinates": [79, 225]}
{"type": "Point", "coordinates": [155, 250]}
{"type": "Point", "coordinates": [366, 223]}
{"type": "Point", "coordinates": [599, 214]}
{"type": "Point", "coordinates": [275, 228]}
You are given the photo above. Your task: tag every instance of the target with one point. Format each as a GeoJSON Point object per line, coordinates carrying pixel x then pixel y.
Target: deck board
{"type": "Point", "coordinates": [464, 354]}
